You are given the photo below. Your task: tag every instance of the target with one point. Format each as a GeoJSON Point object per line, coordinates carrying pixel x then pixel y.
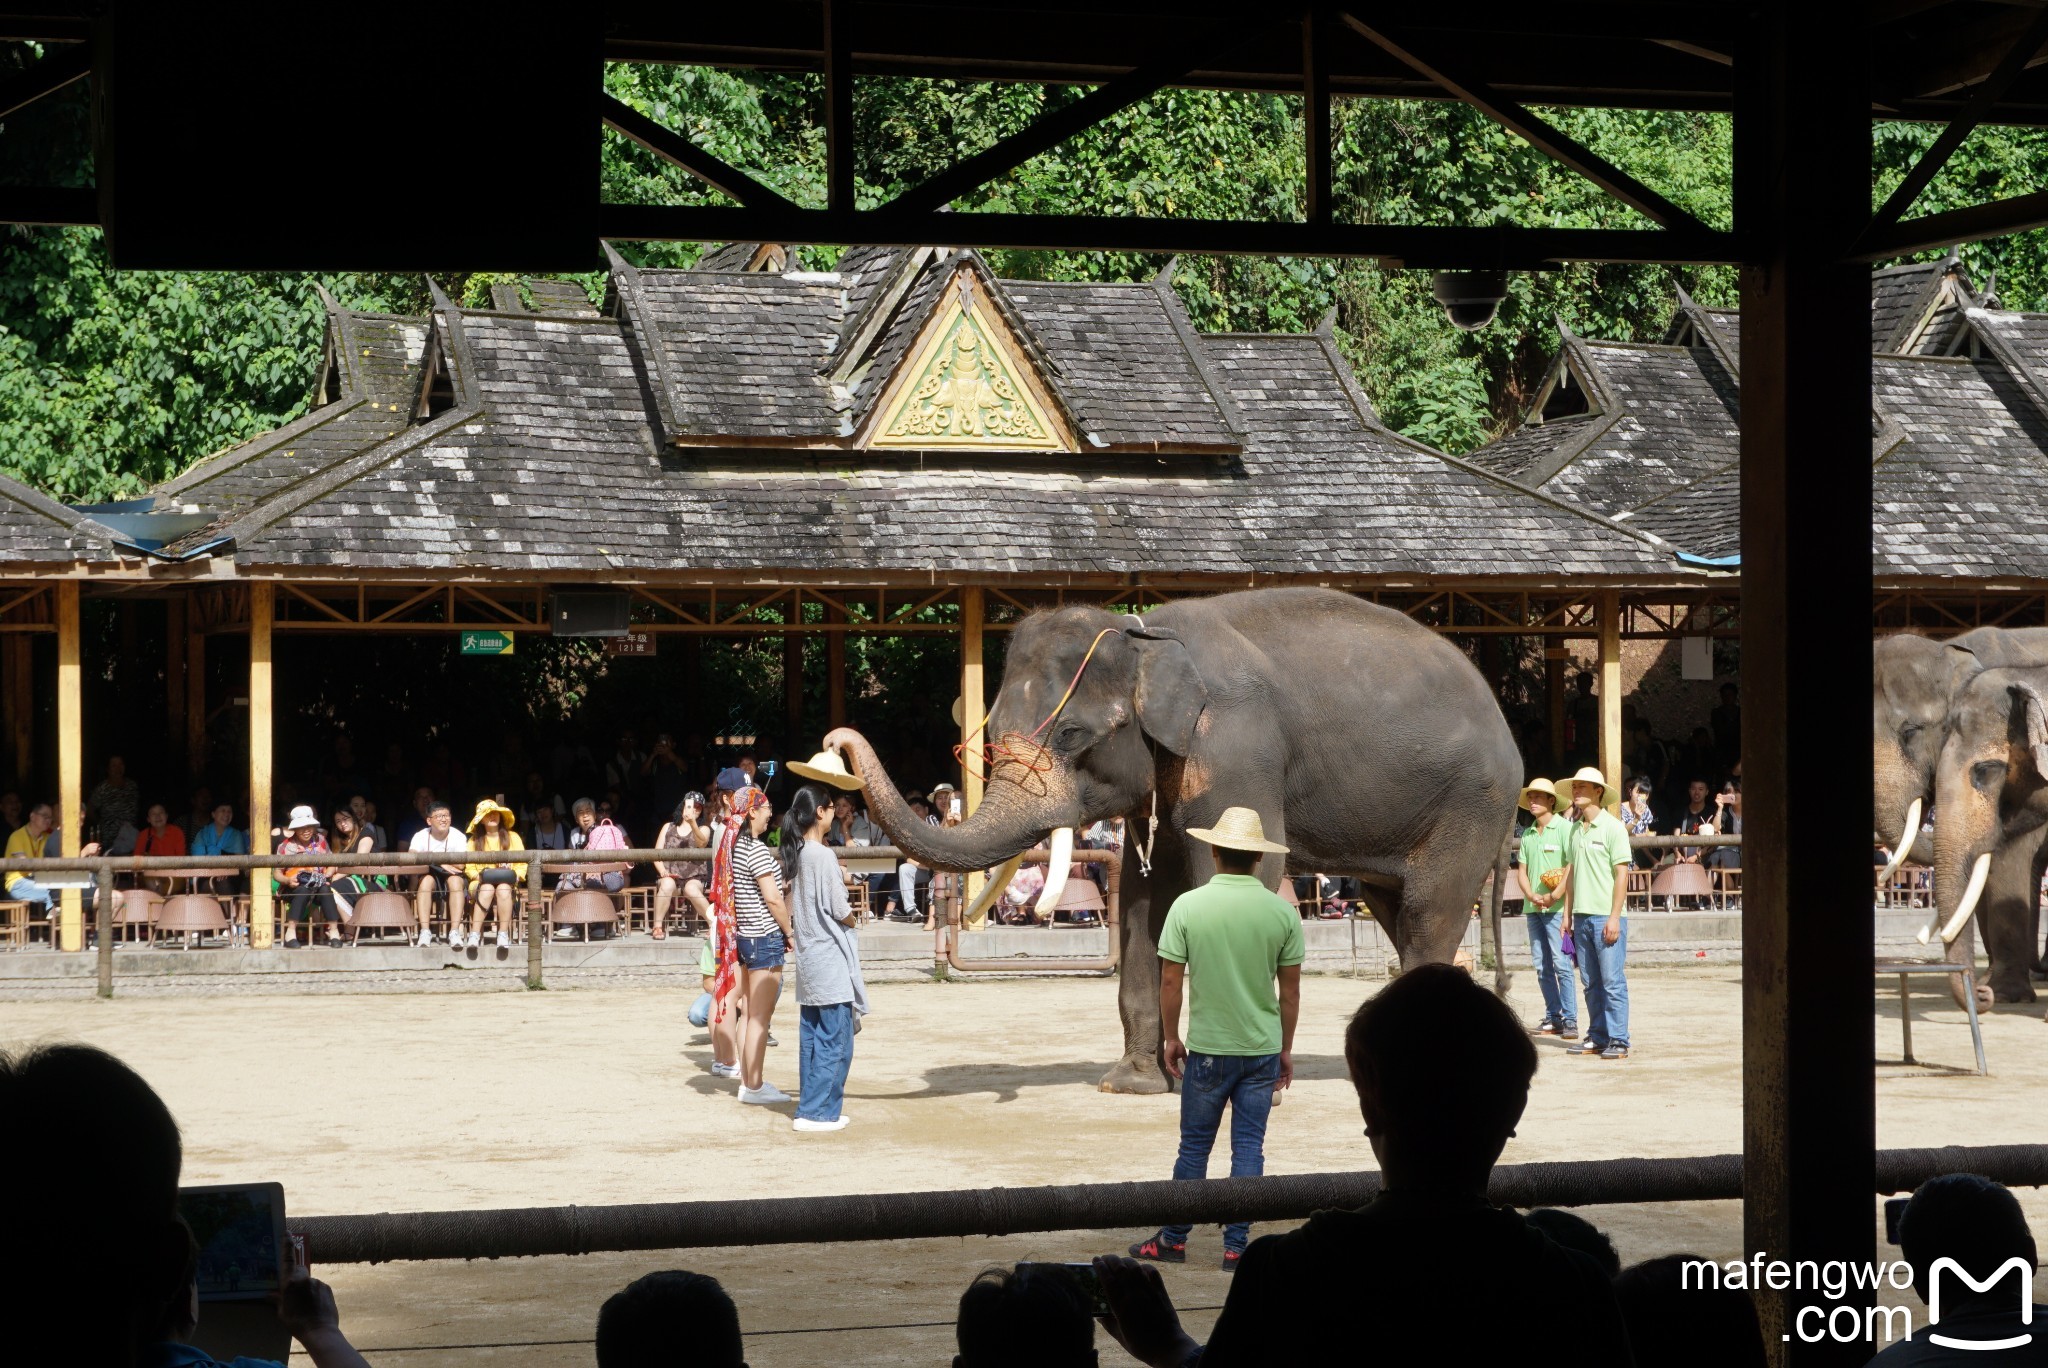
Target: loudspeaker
{"type": "Point", "coordinates": [592, 614]}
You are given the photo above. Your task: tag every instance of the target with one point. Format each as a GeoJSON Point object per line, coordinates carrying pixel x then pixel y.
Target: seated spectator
{"type": "Point", "coordinates": [1697, 817]}
{"type": "Point", "coordinates": [220, 836]}
{"type": "Point", "coordinates": [595, 830]}
{"type": "Point", "coordinates": [684, 830]}
{"type": "Point", "coordinates": [496, 885]}
{"type": "Point", "coordinates": [305, 1306]}
{"type": "Point", "coordinates": [440, 838]}
{"type": "Point", "coordinates": [1727, 820]}
{"type": "Point", "coordinates": [365, 813]}
{"type": "Point", "coordinates": [1639, 820]}
{"type": "Point", "coordinates": [1572, 1231]}
{"type": "Point", "coordinates": [160, 837]}
{"type": "Point", "coordinates": [1033, 1317]}
{"type": "Point", "coordinates": [352, 838]}
{"type": "Point", "coordinates": [34, 842]}
{"type": "Point", "coordinates": [665, 1320]}
{"type": "Point", "coordinates": [913, 880]}
{"type": "Point", "coordinates": [1977, 1224]}
{"type": "Point", "coordinates": [1437, 1117]}
{"type": "Point", "coordinates": [419, 819]}
{"type": "Point", "coordinates": [1673, 1325]}
{"type": "Point", "coordinates": [310, 882]}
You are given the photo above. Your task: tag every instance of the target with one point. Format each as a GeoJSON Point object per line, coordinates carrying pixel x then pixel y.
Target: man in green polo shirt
{"type": "Point", "coordinates": [1596, 915]}
{"type": "Point", "coordinates": [1228, 942]}
{"type": "Point", "coordinates": [1541, 871]}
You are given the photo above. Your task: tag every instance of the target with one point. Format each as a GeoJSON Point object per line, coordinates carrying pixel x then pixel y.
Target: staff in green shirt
{"type": "Point", "coordinates": [1594, 886]}
{"type": "Point", "coordinates": [1229, 942]}
{"type": "Point", "coordinates": [1544, 845]}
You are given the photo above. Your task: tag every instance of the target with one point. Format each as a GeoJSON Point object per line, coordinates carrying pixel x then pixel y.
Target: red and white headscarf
{"type": "Point", "coordinates": [725, 948]}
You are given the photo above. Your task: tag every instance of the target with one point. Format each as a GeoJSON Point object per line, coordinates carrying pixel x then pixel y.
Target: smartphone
{"type": "Point", "coordinates": [1894, 1207]}
{"type": "Point", "coordinates": [1084, 1277]}
{"type": "Point", "coordinates": [240, 1230]}
{"type": "Point", "coordinates": [956, 806]}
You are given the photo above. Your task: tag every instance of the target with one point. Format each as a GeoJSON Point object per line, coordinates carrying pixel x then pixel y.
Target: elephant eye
{"type": "Point", "coordinates": [1909, 731]}
{"type": "Point", "coordinates": [1070, 736]}
{"type": "Point", "coordinates": [1986, 774]}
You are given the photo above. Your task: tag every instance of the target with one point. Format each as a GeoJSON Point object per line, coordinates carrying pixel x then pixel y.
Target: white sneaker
{"type": "Point", "coordinates": [767, 1095]}
{"type": "Point", "coordinates": [476, 939]}
{"type": "Point", "coordinates": [426, 936]}
{"type": "Point", "coordinates": [719, 1070]}
{"type": "Point", "coordinates": [504, 941]}
{"type": "Point", "coordinates": [804, 1123]}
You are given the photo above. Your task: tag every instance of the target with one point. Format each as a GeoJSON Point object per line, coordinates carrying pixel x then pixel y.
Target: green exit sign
{"type": "Point", "coordinates": [487, 643]}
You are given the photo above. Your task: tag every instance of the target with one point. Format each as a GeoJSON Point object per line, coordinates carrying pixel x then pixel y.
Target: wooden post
{"type": "Point", "coordinates": [1610, 694]}
{"type": "Point", "coordinates": [793, 697]}
{"type": "Point", "coordinates": [195, 702]}
{"type": "Point", "coordinates": [174, 669]}
{"type": "Point", "coordinates": [1553, 698]}
{"type": "Point", "coordinates": [262, 607]}
{"type": "Point", "coordinates": [17, 672]}
{"type": "Point", "coordinates": [70, 759]}
{"type": "Point", "coordinates": [1802, 196]}
{"type": "Point", "coordinates": [835, 673]}
{"type": "Point", "coordinates": [971, 708]}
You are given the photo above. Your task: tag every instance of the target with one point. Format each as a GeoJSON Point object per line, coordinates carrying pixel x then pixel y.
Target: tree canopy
{"type": "Point", "coordinates": [111, 381]}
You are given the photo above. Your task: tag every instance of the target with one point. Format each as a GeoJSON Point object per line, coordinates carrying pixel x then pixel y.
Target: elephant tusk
{"type": "Point", "coordinates": [992, 890]}
{"type": "Point", "coordinates": [1906, 837]}
{"type": "Point", "coordinates": [1978, 874]}
{"type": "Point", "coordinates": [1059, 861]}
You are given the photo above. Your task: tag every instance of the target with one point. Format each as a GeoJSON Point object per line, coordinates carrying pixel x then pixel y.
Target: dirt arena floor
{"type": "Point", "coordinates": [396, 1102]}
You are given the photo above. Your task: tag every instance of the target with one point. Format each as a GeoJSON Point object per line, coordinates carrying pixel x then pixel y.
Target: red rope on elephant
{"type": "Point", "coordinates": [1005, 751]}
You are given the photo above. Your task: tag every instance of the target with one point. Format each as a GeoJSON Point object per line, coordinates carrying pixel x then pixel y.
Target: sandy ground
{"type": "Point", "coordinates": [591, 1095]}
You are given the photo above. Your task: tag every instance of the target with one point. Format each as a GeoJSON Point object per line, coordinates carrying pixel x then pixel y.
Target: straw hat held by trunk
{"type": "Point", "coordinates": [825, 768]}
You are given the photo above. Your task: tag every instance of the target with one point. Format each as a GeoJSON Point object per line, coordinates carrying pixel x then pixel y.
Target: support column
{"type": "Point", "coordinates": [1802, 195]}
{"type": "Point", "coordinates": [262, 607]}
{"type": "Point", "coordinates": [174, 669]}
{"type": "Point", "coordinates": [70, 760]}
{"type": "Point", "coordinates": [835, 673]}
{"type": "Point", "coordinates": [195, 704]}
{"type": "Point", "coordinates": [1610, 694]}
{"type": "Point", "coordinates": [793, 691]}
{"type": "Point", "coordinates": [1554, 657]}
{"type": "Point", "coordinates": [17, 673]}
{"type": "Point", "coordinates": [972, 706]}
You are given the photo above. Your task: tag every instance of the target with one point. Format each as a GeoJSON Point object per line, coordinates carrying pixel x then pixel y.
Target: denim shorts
{"type": "Point", "coordinates": [762, 952]}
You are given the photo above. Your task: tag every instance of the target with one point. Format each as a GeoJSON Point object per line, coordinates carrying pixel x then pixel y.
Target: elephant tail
{"type": "Point", "coordinates": [1501, 979]}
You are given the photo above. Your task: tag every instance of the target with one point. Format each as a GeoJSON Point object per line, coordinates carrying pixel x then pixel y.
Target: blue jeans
{"type": "Point", "coordinates": [1553, 970]}
{"type": "Point", "coordinates": [1606, 973]}
{"type": "Point", "coordinates": [29, 891]}
{"type": "Point", "coordinates": [1245, 1082]}
{"type": "Point", "coordinates": [824, 1057]}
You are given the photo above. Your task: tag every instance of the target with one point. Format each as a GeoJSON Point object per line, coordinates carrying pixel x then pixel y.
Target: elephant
{"type": "Point", "coordinates": [1917, 684]}
{"type": "Point", "coordinates": [1365, 741]}
{"type": "Point", "coordinates": [1991, 828]}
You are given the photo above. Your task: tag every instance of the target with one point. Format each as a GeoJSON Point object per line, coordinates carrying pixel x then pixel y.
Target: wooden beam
{"type": "Point", "coordinates": [1440, 248]}
{"type": "Point", "coordinates": [972, 706]}
{"type": "Point", "coordinates": [674, 148]}
{"type": "Point", "coordinates": [1517, 119]}
{"type": "Point", "coordinates": [195, 703]}
{"type": "Point", "coordinates": [262, 612]}
{"type": "Point", "coordinates": [55, 70]}
{"type": "Point", "coordinates": [45, 206]}
{"type": "Point", "coordinates": [1802, 196]}
{"type": "Point", "coordinates": [1050, 130]}
{"type": "Point", "coordinates": [838, 54]}
{"type": "Point", "coordinates": [1315, 122]}
{"type": "Point", "coordinates": [1982, 100]}
{"type": "Point", "coordinates": [1932, 231]}
{"type": "Point", "coordinates": [1610, 694]}
{"type": "Point", "coordinates": [70, 758]}
{"type": "Point", "coordinates": [835, 673]}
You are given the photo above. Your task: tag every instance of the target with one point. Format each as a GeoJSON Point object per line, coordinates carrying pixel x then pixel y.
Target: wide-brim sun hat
{"type": "Point", "coordinates": [485, 808]}
{"type": "Point", "coordinates": [301, 818]}
{"type": "Point", "coordinates": [1239, 828]}
{"type": "Point", "coordinates": [1590, 775]}
{"type": "Point", "coordinates": [1547, 789]}
{"type": "Point", "coordinates": [825, 768]}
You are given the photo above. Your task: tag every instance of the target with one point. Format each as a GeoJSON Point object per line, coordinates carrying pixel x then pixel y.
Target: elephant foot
{"type": "Point", "coordinates": [2012, 988]}
{"type": "Point", "coordinates": [1136, 1074]}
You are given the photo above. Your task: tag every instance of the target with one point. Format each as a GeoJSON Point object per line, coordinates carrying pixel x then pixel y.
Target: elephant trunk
{"type": "Point", "coordinates": [1009, 821]}
{"type": "Point", "coordinates": [1961, 868]}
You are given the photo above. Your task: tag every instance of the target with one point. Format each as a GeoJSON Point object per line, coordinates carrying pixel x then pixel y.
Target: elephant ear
{"type": "Point", "coordinates": [1170, 694]}
{"type": "Point", "coordinates": [2029, 706]}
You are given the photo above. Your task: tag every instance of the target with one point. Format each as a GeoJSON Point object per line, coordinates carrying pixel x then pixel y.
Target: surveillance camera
{"type": "Point", "coordinates": [1470, 298]}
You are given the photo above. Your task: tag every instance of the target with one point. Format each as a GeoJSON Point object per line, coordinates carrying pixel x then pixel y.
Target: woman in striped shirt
{"type": "Point", "coordinates": [754, 877]}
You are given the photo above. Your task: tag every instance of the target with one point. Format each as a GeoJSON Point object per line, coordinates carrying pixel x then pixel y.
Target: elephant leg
{"type": "Point", "coordinates": [1143, 902]}
{"type": "Point", "coordinates": [2008, 912]}
{"type": "Point", "coordinates": [1443, 878]}
{"type": "Point", "coordinates": [2039, 864]}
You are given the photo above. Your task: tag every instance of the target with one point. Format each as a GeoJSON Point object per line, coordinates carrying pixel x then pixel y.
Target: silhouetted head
{"type": "Point", "coordinates": [1676, 1324]}
{"type": "Point", "coordinates": [1442, 1069]}
{"type": "Point", "coordinates": [1032, 1317]}
{"type": "Point", "coordinates": [1970, 1219]}
{"type": "Point", "coordinates": [108, 1252]}
{"type": "Point", "coordinates": [667, 1319]}
{"type": "Point", "coordinates": [1573, 1231]}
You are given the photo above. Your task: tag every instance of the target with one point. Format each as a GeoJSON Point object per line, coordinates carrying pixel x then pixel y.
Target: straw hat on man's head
{"type": "Point", "coordinates": [1239, 828]}
{"type": "Point", "coordinates": [825, 768]}
{"type": "Point", "coordinates": [485, 807]}
{"type": "Point", "coordinates": [1546, 789]}
{"type": "Point", "coordinates": [1590, 775]}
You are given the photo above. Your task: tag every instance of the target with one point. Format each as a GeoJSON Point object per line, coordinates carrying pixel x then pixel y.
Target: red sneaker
{"type": "Point", "coordinates": [1230, 1258]}
{"type": "Point", "coordinates": [1159, 1251]}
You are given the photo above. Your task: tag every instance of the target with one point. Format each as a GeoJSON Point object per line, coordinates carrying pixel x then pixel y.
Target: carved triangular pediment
{"type": "Point", "coordinates": [967, 383]}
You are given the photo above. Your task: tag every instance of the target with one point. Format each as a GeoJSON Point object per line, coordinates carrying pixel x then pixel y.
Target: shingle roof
{"type": "Point", "coordinates": [37, 530]}
{"type": "Point", "coordinates": [1898, 299]}
{"type": "Point", "coordinates": [1668, 417]}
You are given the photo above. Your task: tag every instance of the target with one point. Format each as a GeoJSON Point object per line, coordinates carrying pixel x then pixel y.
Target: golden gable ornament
{"type": "Point", "coordinates": [962, 389]}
